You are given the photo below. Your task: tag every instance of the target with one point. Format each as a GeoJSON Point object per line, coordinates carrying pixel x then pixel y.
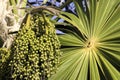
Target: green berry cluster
{"type": "Point", "coordinates": [35, 51]}
{"type": "Point", "coordinates": [4, 55]}
{"type": "Point", "coordinates": [48, 46]}
{"type": "Point", "coordinates": [4, 61]}
{"type": "Point", "coordinates": [25, 61]}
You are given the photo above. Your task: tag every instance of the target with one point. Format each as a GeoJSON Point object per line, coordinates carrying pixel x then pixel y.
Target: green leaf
{"type": "Point", "coordinates": [94, 74]}
{"type": "Point", "coordinates": [114, 74]}
{"type": "Point", "coordinates": [92, 51]}
{"type": "Point", "coordinates": [71, 40]}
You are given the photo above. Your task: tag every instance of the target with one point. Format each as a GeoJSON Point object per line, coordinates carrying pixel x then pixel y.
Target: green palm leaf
{"type": "Point", "coordinates": [95, 54]}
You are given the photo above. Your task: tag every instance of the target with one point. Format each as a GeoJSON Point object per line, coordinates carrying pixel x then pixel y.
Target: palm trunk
{"type": "Point", "coordinates": [10, 20]}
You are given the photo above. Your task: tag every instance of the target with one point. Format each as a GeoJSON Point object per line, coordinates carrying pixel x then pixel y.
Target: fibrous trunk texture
{"type": "Point", "coordinates": [9, 22]}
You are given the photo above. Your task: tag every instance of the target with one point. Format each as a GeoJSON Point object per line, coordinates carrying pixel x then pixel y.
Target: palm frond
{"type": "Point", "coordinates": [94, 55]}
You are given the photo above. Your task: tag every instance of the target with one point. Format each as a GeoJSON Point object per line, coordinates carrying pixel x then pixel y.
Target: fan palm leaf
{"type": "Point", "coordinates": [92, 51]}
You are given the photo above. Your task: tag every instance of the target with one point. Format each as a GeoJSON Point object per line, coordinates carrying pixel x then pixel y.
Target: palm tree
{"type": "Point", "coordinates": [91, 45]}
